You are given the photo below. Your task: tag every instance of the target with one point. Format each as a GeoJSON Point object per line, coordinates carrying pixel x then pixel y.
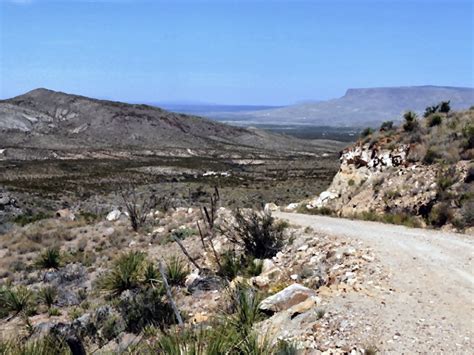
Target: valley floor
{"type": "Point", "coordinates": [430, 308]}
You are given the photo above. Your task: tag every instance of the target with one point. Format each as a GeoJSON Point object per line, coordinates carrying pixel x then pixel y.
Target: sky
{"type": "Point", "coordinates": [232, 52]}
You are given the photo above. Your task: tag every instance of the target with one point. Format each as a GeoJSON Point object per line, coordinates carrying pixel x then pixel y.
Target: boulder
{"type": "Point", "coordinates": [270, 207]}
{"type": "Point", "coordinates": [65, 214]}
{"type": "Point", "coordinates": [286, 298]}
{"type": "Point", "coordinates": [114, 215]}
{"type": "Point", "coordinates": [292, 206]}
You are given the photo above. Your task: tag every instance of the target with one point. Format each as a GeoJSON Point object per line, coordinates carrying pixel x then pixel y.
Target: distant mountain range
{"type": "Point", "coordinates": [357, 108]}
{"type": "Point", "coordinates": [50, 121]}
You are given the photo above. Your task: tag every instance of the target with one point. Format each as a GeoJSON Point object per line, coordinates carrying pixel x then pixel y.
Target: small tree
{"type": "Point", "coordinates": [386, 126]}
{"type": "Point", "coordinates": [445, 107]}
{"type": "Point", "coordinates": [430, 110]}
{"type": "Point", "coordinates": [411, 122]}
{"type": "Point", "coordinates": [138, 205]}
{"type": "Point", "coordinates": [366, 132]}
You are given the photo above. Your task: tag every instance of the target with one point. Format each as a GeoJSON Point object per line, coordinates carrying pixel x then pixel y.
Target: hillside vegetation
{"type": "Point", "coordinates": [419, 173]}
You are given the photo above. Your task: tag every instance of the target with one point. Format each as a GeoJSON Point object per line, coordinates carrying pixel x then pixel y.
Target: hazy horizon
{"type": "Point", "coordinates": [232, 53]}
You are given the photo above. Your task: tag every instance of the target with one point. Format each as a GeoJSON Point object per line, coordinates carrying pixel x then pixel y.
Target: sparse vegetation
{"type": "Point", "coordinates": [15, 300]}
{"type": "Point", "coordinates": [126, 273]}
{"type": "Point", "coordinates": [48, 296]}
{"type": "Point", "coordinates": [411, 122]}
{"type": "Point", "coordinates": [176, 271]}
{"type": "Point", "coordinates": [49, 259]}
{"type": "Point", "coordinates": [257, 233]}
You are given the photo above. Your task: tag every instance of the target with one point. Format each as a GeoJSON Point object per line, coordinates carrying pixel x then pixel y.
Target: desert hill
{"type": "Point", "coordinates": [57, 121]}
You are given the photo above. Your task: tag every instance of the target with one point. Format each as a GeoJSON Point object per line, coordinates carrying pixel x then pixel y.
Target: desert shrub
{"type": "Point", "coordinates": [468, 134]}
{"type": "Point", "coordinates": [176, 271]}
{"type": "Point", "coordinates": [401, 218]}
{"type": "Point", "coordinates": [145, 307]}
{"type": "Point", "coordinates": [126, 273]}
{"type": "Point", "coordinates": [440, 215]}
{"type": "Point", "coordinates": [431, 156]}
{"type": "Point", "coordinates": [183, 233]}
{"type": "Point", "coordinates": [366, 132]}
{"type": "Point", "coordinates": [469, 175]}
{"type": "Point", "coordinates": [324, 211]}
{"type": "Point", "coordinates": [411, 122]}
{"type": "Point", "coordinates": [112, 327]}
{"type": "Point", "coordinates": [25, 219]}
{"type": "Point", "coordinates": [138, 205]}
{"type": "Point", "coordinates": [43, 346]}
{"type": "Point", "coordinates": [467, 213]}
{"type": "Point", "coordinates": [444, 106]}
{"type": "Point", "coordinates": [48, 295]}
{"type": "Point", "coordinates": [15, 300]}
{"type": "Point", "coordinates": [446, 179]}
{"type": "Point", "coordinates": [430, 110]}
{"type": "Point", "coordinates": [257, 233]}
{"type": "Point", "coordinates": [230, 265]}
{"type": "Point", "coordinates": [435, 120]}
{"type": "Point", "coordinates": [54, 312]}
{"type": "Point", "coordinates": [351, 182]}
{"type": "Point", "coordinates": [386, 126]}
{"type": "Point", "coordinates": [49, 259]}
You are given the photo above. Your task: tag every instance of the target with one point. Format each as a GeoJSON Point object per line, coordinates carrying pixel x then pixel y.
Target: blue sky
{"type": "Point", "coordinates": [232, 52]}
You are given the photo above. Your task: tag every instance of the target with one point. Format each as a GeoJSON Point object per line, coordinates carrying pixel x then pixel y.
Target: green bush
{"type": "Point", "coordinates": [431, 156]}
{"type": "Point", "coordinates": [126, 273]}
{"type": "Point", "coordinates": [257, 233]}
{"type": "Point", "coordinates": [411, 122]}
{"type": "Point", "coordinates": [25, 219]}
{"type": "Point", "coordinates": [366, 132]}
{"type": "Point", "coordinates": [144, 308]}
{"type": "Point", "coordinates": [430, 110]}
{"type": "Point", "coordinates": [386, 126]}
{"type": "Point", "coordinates": [444, 106]}
{"type": "Point", "coordinates": [440, 215]}
{"type": "Point", "coordinates": [49, 259]}
{"type": "Point", "coordinates": [435, 120]}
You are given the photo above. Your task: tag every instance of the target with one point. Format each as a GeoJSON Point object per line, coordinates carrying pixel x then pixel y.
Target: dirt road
{"type": "Point", "coordinates": [431, 308]}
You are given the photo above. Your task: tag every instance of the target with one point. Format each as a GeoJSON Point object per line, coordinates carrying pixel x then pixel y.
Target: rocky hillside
{"type": "Point", "coordinates": [188, 278]}
{"type": "Point", "coordinates": [59, 122]}
{"type": "Point", "coordinates": [421, 173]}
{"type": "Point", "coordinates": [362, 107]}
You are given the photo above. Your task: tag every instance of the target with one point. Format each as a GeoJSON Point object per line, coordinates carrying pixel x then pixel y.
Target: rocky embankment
{"type": "Point", "coordinates": [418, 175]}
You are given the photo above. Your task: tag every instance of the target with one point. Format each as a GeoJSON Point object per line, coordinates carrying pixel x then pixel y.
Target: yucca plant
{"type": "Point", "coordinates": [243, 308]}
{"type": "Point", "coordinates": [15, 300]}
{"type": "Point", "coordinates": [44, 346]}
{"type": "Point", "coordinates": [126, 274]}
{"type": "Point", "coordinates": [151, 275]}
{"type": "Point", "coordinates": [49, 259]}
{"type": "Point", "coordinates": [176, 271]}
{"type": "Point", "coordinates": [48, 295]}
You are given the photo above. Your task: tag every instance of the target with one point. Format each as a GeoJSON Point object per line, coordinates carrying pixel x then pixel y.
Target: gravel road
{"type": "Point", "coordinates": [431, 306]}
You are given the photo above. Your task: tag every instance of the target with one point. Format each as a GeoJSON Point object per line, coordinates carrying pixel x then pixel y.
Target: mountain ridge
{"type": "Point", "coordinates": [48, 119]}
{"type": "Point", "coordinates": [360, 106]}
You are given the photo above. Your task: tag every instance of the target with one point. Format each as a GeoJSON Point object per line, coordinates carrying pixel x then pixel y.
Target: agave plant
{"type": "Point", "coordinates": [126, 273]}
{"type": "Point", "coordinates": [16, 300]}
{"type": "Point", "coordinates": [49, 259]}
